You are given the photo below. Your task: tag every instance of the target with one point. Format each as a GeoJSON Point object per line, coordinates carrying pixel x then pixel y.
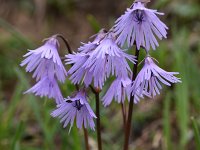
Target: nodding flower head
{"type": "Point", "coordinates": [47, 87]}
{"type": "Point", "coordinates": [117, 91]}
{"type": "Point", "coordinates": [149, 78]}
{"type": "Point", "coordinates": [140, 25]}
{"type": "Point", "coordinates": [100, 63]}
{"type": "Point", "coordinates": [75, 107]}
{"type": "Point", "coordinates": [38, 60]}
{"type": "Point", "coordinates": [88, 47]}
{"type": "Point", "coordinates": [52, 42]}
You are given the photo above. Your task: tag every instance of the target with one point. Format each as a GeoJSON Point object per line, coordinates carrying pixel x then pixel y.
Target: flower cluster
{"type": "Point", "coordinates": [97, 61]}
{"type": "Point", "coordinates": [47, 68]}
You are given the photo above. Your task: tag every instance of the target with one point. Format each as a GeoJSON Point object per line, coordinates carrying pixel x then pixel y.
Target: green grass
{"type": "Point", "coordinates": [196, 132]}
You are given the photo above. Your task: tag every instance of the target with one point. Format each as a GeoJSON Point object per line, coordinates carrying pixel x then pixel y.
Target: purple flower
{"type": "Point", "coordinates": [141, 25]}
{"type": "Point", "coordinates": [88, 47]}
{"type": "Point", "coordinates": [75, 107]}
{"type": "Point", "coordinates": [118, 90]}
{"type": "Point", "coordinates": [150, 76]}
{"type": "Point", "coordinates": [107, 59]}
{"type": "Point", "coordinates": [40, 59]}
{"type": "Point", "coordinates": [137, 94]}
{"type": "Point", "coordinates": [47, 87]}
{"type": "Point", "coordinates": [77, 71]}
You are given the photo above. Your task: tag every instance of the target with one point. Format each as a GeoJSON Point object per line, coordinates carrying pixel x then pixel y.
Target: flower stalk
{"type": "Point", "coordinates": [66, 43]}
{"type": "Point", "coordinates": [123, 115]}
{"type": "Point", "coordinates": [130, 110]}
{"type": "Point", "coordinates": [87, 147]}
{"type": "Point", "coordinates": [98, 121]}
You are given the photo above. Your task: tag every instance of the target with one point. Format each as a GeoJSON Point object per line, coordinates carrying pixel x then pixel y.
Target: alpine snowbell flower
{"type": "Point", "coordinates": [40, 59]}
{"type": "Point", "coordinates": [118, 90]}
{"type": "Point", "coordinates": [140, 25]}
{"type": "Point", "coordinates": [77, 71]}
{"type": "Point", "coordinates": [107, 58]}
{"type": "Point", "coordinates": [47, 86]}
{"type": "Point", "coordinates": [149, 78]}
{"type": "Point", "coordinates": [75, 107]}
{"type": "Point", "coordinates": [100, 63]}
{"type": "Point", "coordinates": [88, 47]}
{"type": "Point", "coordinates": [78, 59]}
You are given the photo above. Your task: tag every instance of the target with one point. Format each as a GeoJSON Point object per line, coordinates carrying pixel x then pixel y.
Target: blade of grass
{"type": "Point", "coordinates": [9, 28]}
{"type": "Point", "coordinates": [182, 91]}
{"type": "Point", "coordinates": [196, 133]}
{"type": "Point", "coordinates": [93, 23]}
{"type": "Point", "coordinates": [13, 104]}
{"type": "Point", "coordinates": [166, 122]}
{"type": "Point", "coordinates": [76, 139]}
{"type": "Point", "coordinates": [34, 105]}
{"type": "Point", "coordinates": [17, 136]}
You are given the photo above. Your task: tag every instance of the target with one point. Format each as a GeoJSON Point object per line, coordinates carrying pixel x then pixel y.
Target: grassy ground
{"type": "Point", "coordinates": [169, 122]}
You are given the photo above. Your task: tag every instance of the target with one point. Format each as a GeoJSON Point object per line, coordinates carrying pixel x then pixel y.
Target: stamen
{"type": "Point", "coordinates": [78, 105]}
{"type": "Point", "coordinates": [139, 16]}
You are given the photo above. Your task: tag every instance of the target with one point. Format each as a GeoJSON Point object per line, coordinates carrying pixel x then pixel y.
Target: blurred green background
{"type": "Point", "coordinates": [169, 122]}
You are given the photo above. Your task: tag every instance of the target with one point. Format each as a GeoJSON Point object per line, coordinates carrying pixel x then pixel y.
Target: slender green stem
{"type": "Point", "coordinates": [130, 111]}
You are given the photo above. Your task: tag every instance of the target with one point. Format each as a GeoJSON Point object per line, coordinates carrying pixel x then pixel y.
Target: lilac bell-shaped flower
{"type": "Point", "coordinates": [150, 77]}
{"type": "Point", "coordinates": [47, 87]}
{"type": "Point", "coordinates": [117, 91]}
{"type": "Point", "coordinates": [39, 59]}
{"type": "Point", "coordinates": [120, 89]}
{"type": "Point", "coordinates": [90, 46]}
{"type": "Point", "coordinates": [77, 108]}
{"type": "Point", "coordinates": [79, 73]}
{"type": "Point", "coordinates": [105, 60]}
{"type": "Point", "coordinates": [108, 59]}
{"type": "Point", "coordinates": [140, 25]}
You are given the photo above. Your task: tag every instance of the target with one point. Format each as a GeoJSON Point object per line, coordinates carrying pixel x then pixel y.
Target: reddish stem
{"type": "Point", "coordinates": [130, 111]}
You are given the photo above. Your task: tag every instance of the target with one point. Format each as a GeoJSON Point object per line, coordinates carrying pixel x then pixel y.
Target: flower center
{"type": "Point", "coordinates": [77, 105]}
{"type": "Point", "coordinates": [139, 16]}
